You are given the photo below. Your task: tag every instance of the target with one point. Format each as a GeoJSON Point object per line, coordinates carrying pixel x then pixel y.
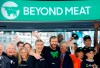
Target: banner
{"type": "Point", "coordinates": [49, 11]}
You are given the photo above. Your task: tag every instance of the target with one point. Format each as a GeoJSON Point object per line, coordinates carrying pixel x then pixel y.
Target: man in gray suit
{"type": "Point", "coordinates": [4, 61]}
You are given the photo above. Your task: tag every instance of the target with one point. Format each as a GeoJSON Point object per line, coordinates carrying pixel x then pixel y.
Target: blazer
{"type": "Point", "coordinates": [67, 62]}
{"type": "Point", "coordinates": [4, 62]}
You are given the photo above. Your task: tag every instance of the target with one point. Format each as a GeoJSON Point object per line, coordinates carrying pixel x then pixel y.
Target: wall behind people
{"type": "Point", "coordinates": [6, 37]}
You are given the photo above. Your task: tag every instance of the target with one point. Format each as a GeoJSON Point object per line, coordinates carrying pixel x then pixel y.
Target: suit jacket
{"type": "Point", "coordinates": [67, 62]}
{"type": "Point", "coordinates": [13, 61]}
{"type": "Point", "coordinates": [4, 62]}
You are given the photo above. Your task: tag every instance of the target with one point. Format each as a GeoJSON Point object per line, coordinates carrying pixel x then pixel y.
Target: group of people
{"type": "Point", "coordinates": [59, 54]}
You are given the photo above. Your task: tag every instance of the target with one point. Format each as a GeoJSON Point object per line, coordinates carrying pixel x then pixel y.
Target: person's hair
{"type": "Point", "coordinates": [19, 55]}
{"type": "Point", "coordinates": [63, 41]}
{"type": "Point", "coordinates": [86, 37]}
{"type": "Point", "coordinates": [38, 40]}
{"type": "Point", "coordinates": [20, 42]}
{"type": "Point", "coordinates": [28, 44]}
{"type": "Point", "coordinates": [60, 35]}
{"type": "Point", "coordinates": [52, 37]}
{"type": "Point", "coordinates": [79, 49]}
{"type": "Point", "coordinates": [10, 44]}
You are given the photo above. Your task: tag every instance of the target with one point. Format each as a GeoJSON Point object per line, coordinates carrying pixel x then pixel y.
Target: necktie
{"type": "Point", "coordinates": [61, 60]}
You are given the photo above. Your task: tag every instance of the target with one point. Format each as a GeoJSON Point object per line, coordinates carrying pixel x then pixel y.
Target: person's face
{"type": "Point", "coordinates": [24, 54]}
{"type": "Point", "coordinates": [15, 53]}
{"type": "Point", "coordinates": [87, 42]}
{"type": "Point", "coordinates": [63, 48]}
{"type": "Point", "coordinates": [1, 47]}
{"type": "Point", "coordinates": [80, 54]}
{"type": "Point", "coordinates": [39, 46]}
{"type": "Point", "coordinates": [10, 50]}
{"type": "Point", "coordinates": [60, 38]}
{"type": "Point", "coordinates": [28, 47]}
{"type": "Point", "coordinates": [90, 55]}
{"type": "Point", "coordinates": [20, 46]}
{"type": "Point", "coordinates": [54, 43]}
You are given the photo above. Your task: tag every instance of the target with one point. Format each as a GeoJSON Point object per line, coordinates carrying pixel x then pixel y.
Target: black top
{"type": "Point", "coordinates": [27, 64]}
{"type": "Point", "coordinates": [87, 64]}
{"type": "Point", "coordinates": [97, 59]}
{"type": "Point", "coordinates": [67, 62]}
{"type": "Point", "coordinates": [40, 63]}
{"type": "Point", "coordinates": [52, 57]}
{"type": "Point", "coordinates": [13, 61]}
{"type": "Point", "coordinates": [23, 64]}
{"type": "Point", "coordinates": [4, 62]}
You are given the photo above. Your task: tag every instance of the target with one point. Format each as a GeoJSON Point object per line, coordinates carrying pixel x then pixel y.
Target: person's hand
{"type": "Point", "coordinates": [94, 66]}
{"type": "Point", "coordinates": [35, 34]}
{"type": "Point", "coordinates": [16, 39]}
{"type": "Point", "coordinates": [96, 25]}
{"type": "Point", "coordinates": [71, 41]}
{"type": "Point", "coordinates": [37, 56]}
{"type": "Point", "coordinates": [96, 49]}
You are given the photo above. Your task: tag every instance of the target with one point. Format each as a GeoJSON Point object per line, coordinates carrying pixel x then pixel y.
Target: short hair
{"type": "Point", "coordinates": [79, 49]}
{"type": "Point", "coordinates": [90, 49]}
{"type": "Point", "coordinates": [60, 35]}
{"type": "Point", "coordinates": [9, 44]}
{"type": "Point", "coordinates": [28, 44]}
{"type": "Point", "coordinates": [52, 37]}
{"type": "Point", "coordinates": [63, 41]}
{"type": "Point", "coordinates": [20, 42]}
{"type": "Point", "coordinates": [38, 40]}
{"type": "Point", "coordinates": [86, 37]}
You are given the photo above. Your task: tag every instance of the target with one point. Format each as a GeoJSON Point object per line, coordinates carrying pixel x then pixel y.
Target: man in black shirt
{"type": "Point", "coordinates": [52, 52]}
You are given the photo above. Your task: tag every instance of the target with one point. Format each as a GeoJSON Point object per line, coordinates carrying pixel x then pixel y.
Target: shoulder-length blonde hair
{"type": "Point", "coordinates": [19, 54]}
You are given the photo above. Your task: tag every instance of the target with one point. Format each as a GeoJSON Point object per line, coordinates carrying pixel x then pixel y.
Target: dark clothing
{"type": "Point", "coordinates": [40, 63]}
{"type": "Point", "coordinates": [4, 53]}
{"type": "Point", "coordinates": [4, 62]}
{"type": "Point", "coordinates": [67, 62]}
{"type": "Point", "coordinates": [23, 64]}
{"type": "Point", "coordinates": [27, 64]}
{"type": "Point", "coordinates": [85, 49]}
{"type": "Point", "coordinates": [52, 57]}
{"type": "Point", "coordinates": [13, 61]}
{"type": "Point", "coordinates": [97, 59]}
{"type": "Point", "coordinates": [87, 64]}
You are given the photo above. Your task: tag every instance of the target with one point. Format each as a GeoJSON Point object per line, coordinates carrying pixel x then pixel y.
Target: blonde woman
{"type": "Point", "coordinates": [25, 60]}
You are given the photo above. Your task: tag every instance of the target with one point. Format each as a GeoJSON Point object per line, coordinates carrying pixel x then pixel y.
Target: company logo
{"type": "Point", "coordinates": [10, 10]}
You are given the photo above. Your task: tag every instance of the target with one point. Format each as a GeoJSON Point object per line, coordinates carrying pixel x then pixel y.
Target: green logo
{"type": "Point", "coordinates": [54, 54]}
{"type": "Point", "coordinates": [10, 10]}
{"type": "Point", "coordinates": [87, 65]}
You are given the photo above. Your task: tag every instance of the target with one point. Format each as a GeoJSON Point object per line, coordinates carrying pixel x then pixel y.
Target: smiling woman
{"type": "Point", "coordinates": [25, 61]}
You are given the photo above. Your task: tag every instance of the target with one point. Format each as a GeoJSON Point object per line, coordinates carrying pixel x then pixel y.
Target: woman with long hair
{"type": "Point", "coordinates": [24, 59]}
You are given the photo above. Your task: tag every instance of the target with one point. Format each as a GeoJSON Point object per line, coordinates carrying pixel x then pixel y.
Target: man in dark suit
{"type": "Point", "coordinates": [4, 61]}
{"type": "Point", "coordinates": [65, 60]}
